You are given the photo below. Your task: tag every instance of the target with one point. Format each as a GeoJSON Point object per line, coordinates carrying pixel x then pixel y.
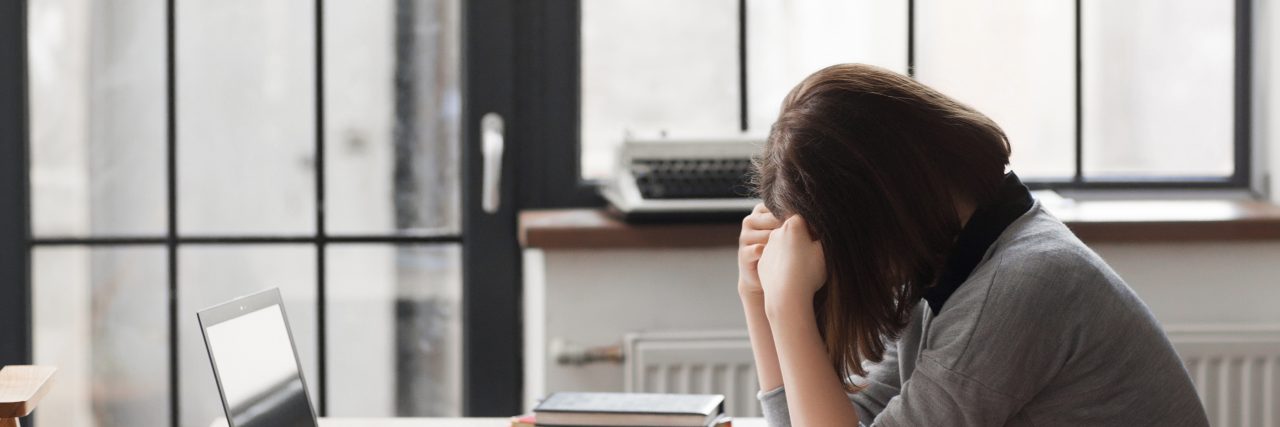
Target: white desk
{"type": "Point", "coordinates": [451, 422]}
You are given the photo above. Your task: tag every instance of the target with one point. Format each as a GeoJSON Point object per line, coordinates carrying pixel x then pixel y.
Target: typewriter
{"type": "Point", "coordinates": [669, 179]}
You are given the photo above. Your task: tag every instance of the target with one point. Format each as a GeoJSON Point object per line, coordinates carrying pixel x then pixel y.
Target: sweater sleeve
{"type": "Point", "coordinates": [881, 385]}
{"type": "Point", "coordinates": [774, 405]}
{"type": "Point", "coordinates": [934, 396]}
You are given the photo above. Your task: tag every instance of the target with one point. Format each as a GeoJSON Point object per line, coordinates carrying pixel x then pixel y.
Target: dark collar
{"type": "Point", "coordinates": [984, 226]}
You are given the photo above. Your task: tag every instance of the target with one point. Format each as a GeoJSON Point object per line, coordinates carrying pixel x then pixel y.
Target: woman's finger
{"type": "Point", "coordinates": [761, 221]}
{"type": "Point", "coordinates": [750, 253]}
{"type": "Point", "coordinates": [754, 253]}
{"type": "Point", "coordinates": [751, 237]}
{"type": "Point", "coordinates": [777, 234]}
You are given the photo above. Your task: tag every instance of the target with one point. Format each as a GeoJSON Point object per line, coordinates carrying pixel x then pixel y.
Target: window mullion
{"type": "Point", "coordinates": [1078, 178]}
{"type": "Point", "coordinates": [321, 346]}
{"type": "Point", "coordinates": [171, 183]}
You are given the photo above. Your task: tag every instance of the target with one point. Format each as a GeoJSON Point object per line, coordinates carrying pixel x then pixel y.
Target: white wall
{"type": "Point", "coordinates": [1214, 282]}
{"type": "Point", "coordinates": [593, 297]}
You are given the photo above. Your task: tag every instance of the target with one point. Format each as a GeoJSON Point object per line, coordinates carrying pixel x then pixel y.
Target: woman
{"type": "Point", "coordinates": [897, 275]}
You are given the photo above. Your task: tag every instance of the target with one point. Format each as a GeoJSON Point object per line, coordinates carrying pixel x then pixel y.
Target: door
{"type": "Point", "coordinates": [491, 253]}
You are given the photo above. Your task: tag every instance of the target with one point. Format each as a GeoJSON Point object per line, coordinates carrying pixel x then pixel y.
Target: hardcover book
{"type": "Point", "coordinates": [629, 409]}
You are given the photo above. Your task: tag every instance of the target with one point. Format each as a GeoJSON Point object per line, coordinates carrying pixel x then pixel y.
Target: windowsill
{"type": "Point", "coordinates": [1094, 221]}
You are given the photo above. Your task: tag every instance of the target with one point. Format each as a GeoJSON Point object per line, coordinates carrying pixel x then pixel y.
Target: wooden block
{"type": "Point", "coordinates": [21, 388]}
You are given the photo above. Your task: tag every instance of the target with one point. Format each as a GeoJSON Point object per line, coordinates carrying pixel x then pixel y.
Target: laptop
{"type": "Point", "coordinates": [255, 362]}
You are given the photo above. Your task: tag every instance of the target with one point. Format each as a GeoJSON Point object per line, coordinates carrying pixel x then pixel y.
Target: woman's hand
{"type": "Point", "coordinates": [792, 267]}
{"type": "Point", "coordinates": [751, 242]}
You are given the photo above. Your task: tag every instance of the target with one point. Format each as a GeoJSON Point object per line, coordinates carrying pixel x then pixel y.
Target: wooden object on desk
{"type": "Point", "coordinates": [595, 228]}
{"type": "Point", "coordinates": [451, 422]}
{"type": "Point", "coordinates": [21, 388]}
{"type": "Point", "coordinates": [1095, 221]}
{"type": "Point", "coordinates": [1170, 220]}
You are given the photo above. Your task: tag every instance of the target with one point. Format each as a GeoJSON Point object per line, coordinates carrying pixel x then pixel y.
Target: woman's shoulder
{"type": "Point", "coordinates": [1039, 247]}
{"type": "Point", "coordinates": [1038, 264]}
{"type": "Point", "coordinates": [1043, 304]}
{"type": "Point", "coordinates": [1037, 281]}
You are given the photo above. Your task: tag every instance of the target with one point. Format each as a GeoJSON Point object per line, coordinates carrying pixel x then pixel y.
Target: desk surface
{"type": "Point", "coordinates": [453, 422]}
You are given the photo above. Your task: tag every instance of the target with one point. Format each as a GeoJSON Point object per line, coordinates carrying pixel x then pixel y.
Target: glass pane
{"type": "Point", "coordinates": [1158, 87]}
{"type": "Point", "coordinates": [395, 310]}
{"type": "Point", "coordinates": [1031, 93]}
{"type": "Point", "coordinates": [246, 116]}
{"type": "Point", "coordinates": [210, 275]}
{"type": "Point", "coordinates": [392, 116]}
{"type": "Point", "coordinates": [97, 105]}
{"type": "Point", "coordinates": [787, 41]}
{"type": "Point", "coordinates": [647, 69]}
{"type": "Point", "coordinates": [101, 316]}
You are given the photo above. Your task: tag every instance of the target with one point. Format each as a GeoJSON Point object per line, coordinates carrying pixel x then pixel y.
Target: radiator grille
{"type": "Point", "coordinates": [1236, 371]}
{"type": "Point", "coordinates": [714, 362]}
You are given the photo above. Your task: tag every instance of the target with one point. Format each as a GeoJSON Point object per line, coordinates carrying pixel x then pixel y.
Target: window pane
{"type": "Point", "coordinates": [647, 68]}
{"type": "Point", "coordinates": [394, 310]}
{"type": "Point", "coordinates": [1158, 87]}
{"type": "Point", "coordinates": [1014, 62]}
{"type": "Point", "coordinates": [246, 112]}
{"type": "Point", "coordinates": [787, 41]}
{"type": "Point", "coordinates": [392, 116]}
{"type": "Point", "coordinates": [97, 104]}
{"type": "Point", "coordinates": [101, 316]}
{"type": "Point", "coordinates": [211, 275]}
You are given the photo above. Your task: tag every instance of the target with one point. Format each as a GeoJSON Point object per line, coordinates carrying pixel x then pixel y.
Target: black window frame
{"type": "Point", "coordinates": [15, 223]}
{"type": "Point", "coordinates": [490, 253]}
{"type": "Point", "coordinates": [552, 77]}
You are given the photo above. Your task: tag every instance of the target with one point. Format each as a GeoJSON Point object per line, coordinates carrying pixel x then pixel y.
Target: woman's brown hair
{"type": "Point", "coordinates": [875, 162]}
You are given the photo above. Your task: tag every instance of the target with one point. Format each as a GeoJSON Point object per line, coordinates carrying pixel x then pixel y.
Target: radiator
{"type": "Point", "coordinates": [1236, 369]}
{"type": "Point", "coordinates": [713, 362]}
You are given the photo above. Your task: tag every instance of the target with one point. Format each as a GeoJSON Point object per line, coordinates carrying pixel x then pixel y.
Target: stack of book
{"type": "Point", "coordinates": [631, 409]}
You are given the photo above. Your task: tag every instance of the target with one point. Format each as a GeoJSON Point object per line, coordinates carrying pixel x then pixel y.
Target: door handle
{"type": "Point", "coordinates": [492, 145]}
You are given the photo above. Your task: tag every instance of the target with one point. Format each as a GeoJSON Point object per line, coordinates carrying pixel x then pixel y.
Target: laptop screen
{"type": "Point", "coordinates": [254, 360]}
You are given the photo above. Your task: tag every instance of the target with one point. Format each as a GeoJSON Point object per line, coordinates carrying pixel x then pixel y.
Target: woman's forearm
{"type": "Point", "coordinates": [815, 394]}
{"type": "Point", "coordinates": [762, 342]}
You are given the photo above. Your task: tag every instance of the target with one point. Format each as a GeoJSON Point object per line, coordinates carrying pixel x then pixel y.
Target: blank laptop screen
{"type": "Point", "coordinates": [258, 371]}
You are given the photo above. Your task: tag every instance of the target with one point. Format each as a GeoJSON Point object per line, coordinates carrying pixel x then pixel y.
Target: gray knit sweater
{"type": "Point", "coordinates": [1041, 333]}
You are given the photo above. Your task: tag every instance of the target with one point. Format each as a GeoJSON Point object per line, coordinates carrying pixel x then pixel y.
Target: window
{"type": "Point", "coordinates": [1091, 93]}
{"type": "Point", "coordinates": [646, 71]}
{"type": "Point", "coordinates": [787, 41]}
{"type": "Point", "coordinates": [336, 182]}
{"type": "Point", "coordinates": [1030, 93]}
{"type": "Point", "coordinates": [1157, 88]}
